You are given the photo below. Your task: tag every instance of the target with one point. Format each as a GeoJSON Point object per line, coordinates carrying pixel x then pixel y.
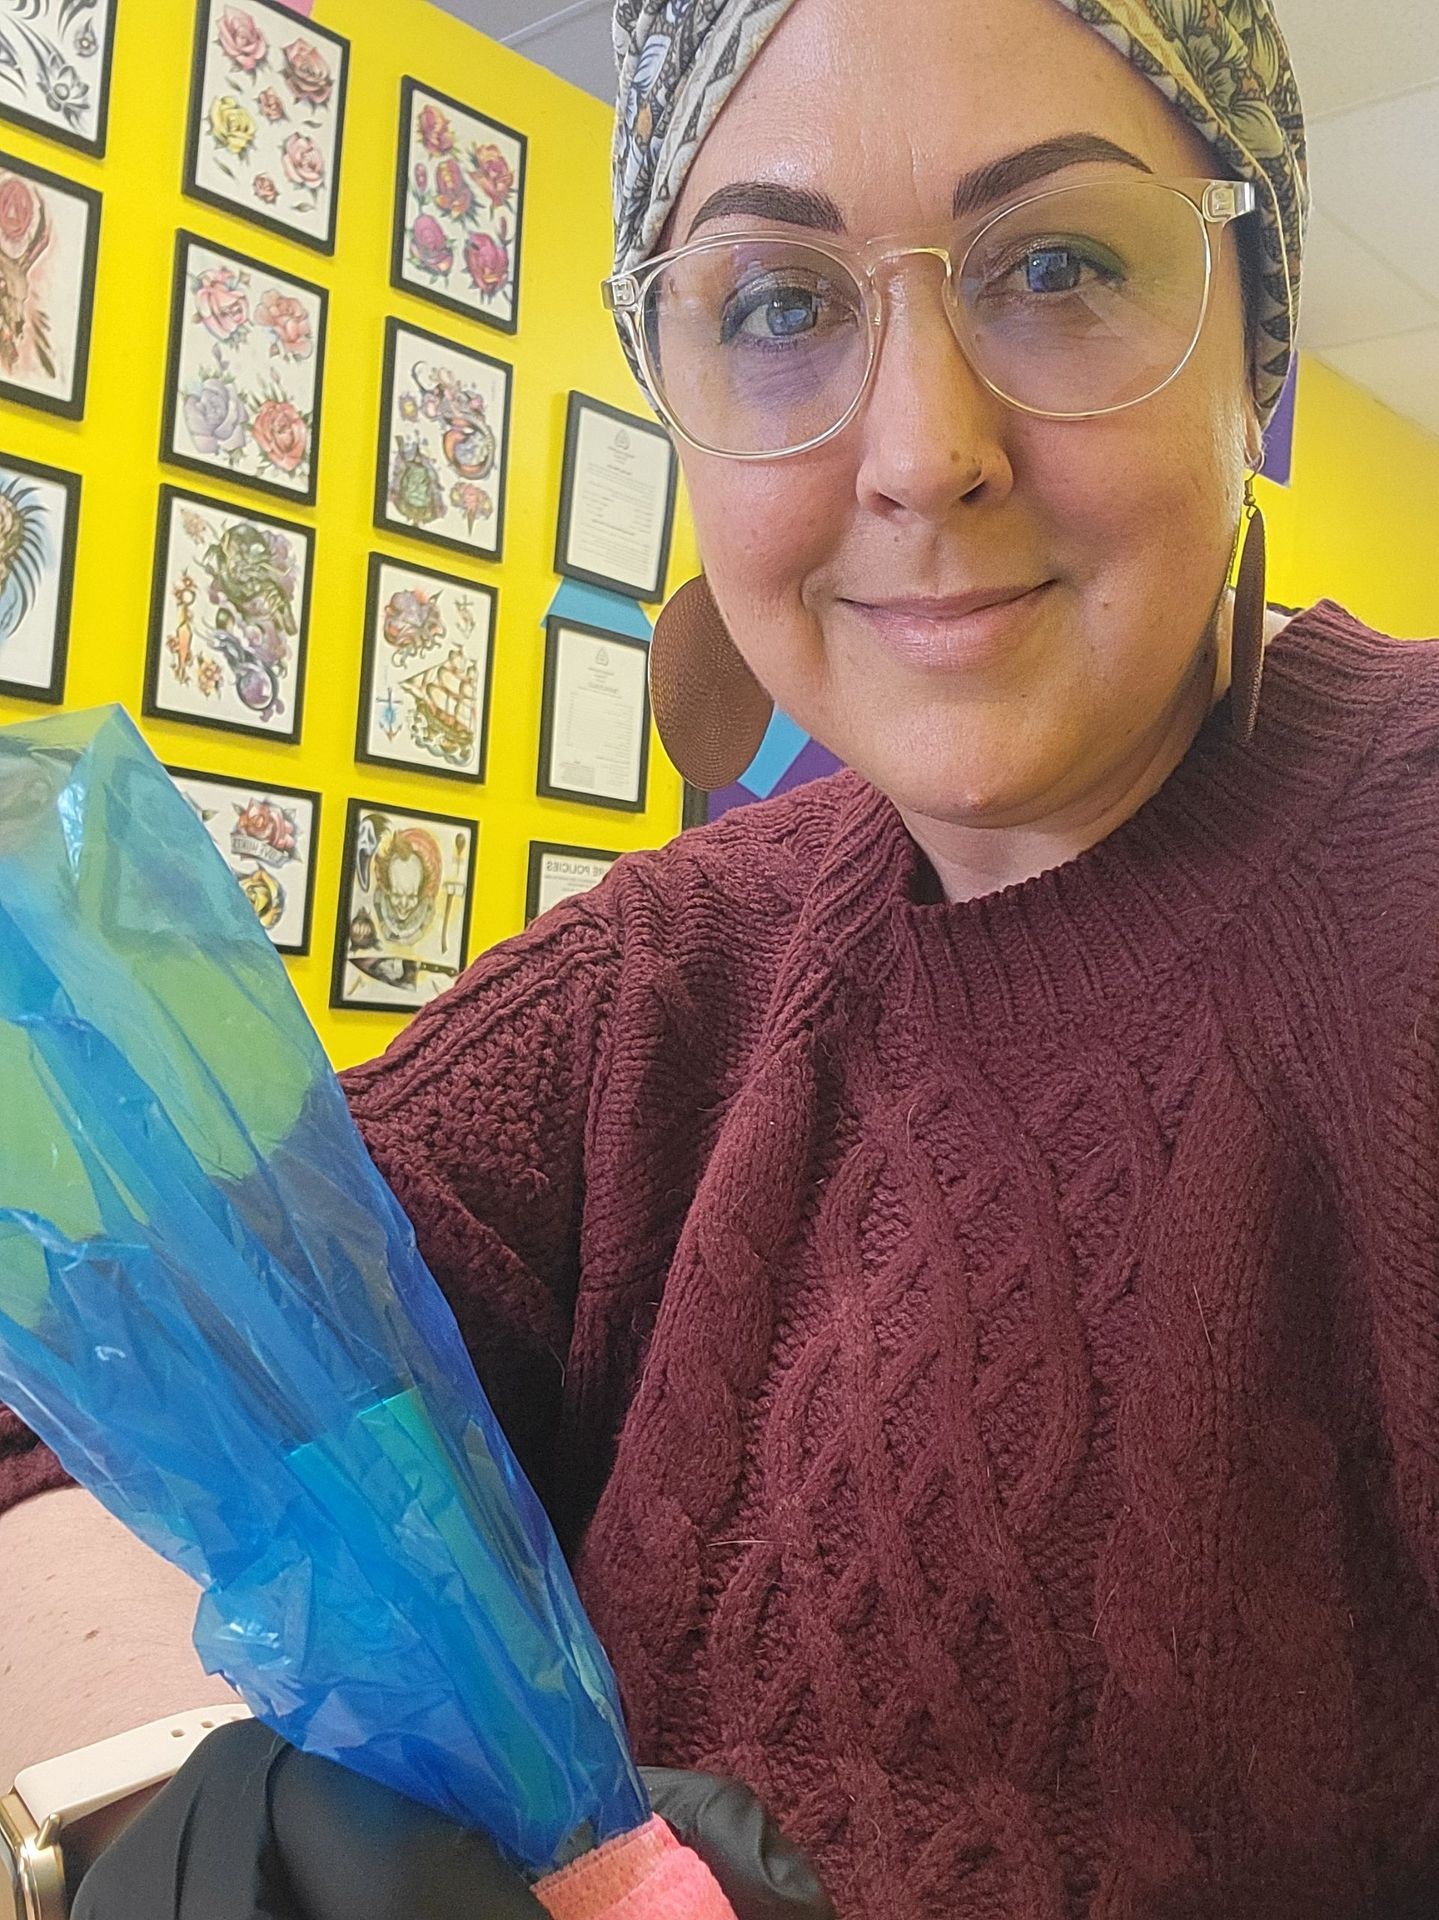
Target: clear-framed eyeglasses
{"type": "Point", "coordinates": [1069, 303]}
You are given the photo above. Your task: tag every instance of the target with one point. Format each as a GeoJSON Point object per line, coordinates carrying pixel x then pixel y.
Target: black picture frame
{"type": "Point", "coordinates": [271, 789]}
{"type": "Point", "coordinates": [409, 87]}
{"type": "Point", "coordinates": [363, 752]}
{"type": "Point", "coordinates": [191, 185]}
{"type": "Point", "coordinates": [170, 455]}
{"type": "Point", "coordinates": [243, 510]}
{"type": "Point", "coordinates": [71, 406]}
{"type": "Point", "coordinates": [353, 814]}
{"type": "Point", "coordinates": [539, 849]}
{"type": "Point", "coordinates": [81, 143]}
{"type": "Point", "coordinates": [645, 590]}
{"type": "Point", "coordinates": [383, 519]}
{"type": "Point", "coordinates": [71, 484]}
{"type": "Point", "coordinates": [555, 629]}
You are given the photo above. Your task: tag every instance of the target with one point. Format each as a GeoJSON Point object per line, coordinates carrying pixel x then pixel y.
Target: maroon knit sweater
{"type": "Point", "coordinates": [984, 1358]}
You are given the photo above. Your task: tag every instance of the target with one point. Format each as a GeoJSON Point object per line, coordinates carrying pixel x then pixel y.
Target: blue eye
{"type": "Point", "coordinates": [773, 312]}
{"type": "Point", "coordinates": [1056, 267]}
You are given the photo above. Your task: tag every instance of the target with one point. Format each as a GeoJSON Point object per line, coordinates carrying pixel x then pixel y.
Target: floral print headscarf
{"type": "Point", "coordinates": [1222, 63]}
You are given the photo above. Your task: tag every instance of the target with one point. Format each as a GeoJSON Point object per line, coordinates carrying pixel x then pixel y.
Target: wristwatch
{"type": "Point", "coordinates": [48, 1799]}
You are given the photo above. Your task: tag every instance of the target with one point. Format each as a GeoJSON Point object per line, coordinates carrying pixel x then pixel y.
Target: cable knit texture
{"type": "Point", "coordinates": [984, 1359]}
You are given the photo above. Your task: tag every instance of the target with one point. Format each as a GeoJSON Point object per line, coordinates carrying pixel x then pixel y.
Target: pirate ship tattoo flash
{"type": "Point", "coordinates": [428, 658]}
{"type": "Point", "coordinates": [404, 914]}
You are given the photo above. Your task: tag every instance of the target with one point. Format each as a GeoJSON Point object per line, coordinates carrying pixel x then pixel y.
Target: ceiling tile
{"type": "Point", "coordinates": [1376, 170]}
{"type": "Point", "coordinates": [1403, 373]}
{"type": "Point", "coordinates": [1350, 294]}
{"type": "Point", "coordinates": [1346, 55]}
{"type": "Point", "coordinates": [579, 49]}
{"type": "Point", "coordinates": [502, 18]}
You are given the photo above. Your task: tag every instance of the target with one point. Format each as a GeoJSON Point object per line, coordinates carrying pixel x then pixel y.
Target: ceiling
{"type": "Point", "coordinates": [1371, 303]}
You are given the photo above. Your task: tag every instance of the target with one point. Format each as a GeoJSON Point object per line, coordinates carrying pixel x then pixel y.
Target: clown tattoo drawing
{"type": "Point", "coordinates": [247, 351]}
{"type": "Point", "coordinates": [459, 208]}
{"type": "Point", "coordinates": [444, 443]}
{"type": "Point", "coordinates": [229, 617]}
{"type": "Point", "coordinates": [39, 511]}
{"type": "Point", "coordinates": [428, 666]}
{"type": "Point", "coordinates": [267, 837]}
{"type": "Point", "coordinates": [49, 234]}
{"type": "Point", "coordinates": [55, 59]}
{"type": "Point", "coordinates": [267, 114]}
{"type": "Point", "coordinates": [404, 916]}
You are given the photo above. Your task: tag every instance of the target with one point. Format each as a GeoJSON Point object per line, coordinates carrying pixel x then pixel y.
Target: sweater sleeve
{"type": "Point", "coordinates": [476, 1116]}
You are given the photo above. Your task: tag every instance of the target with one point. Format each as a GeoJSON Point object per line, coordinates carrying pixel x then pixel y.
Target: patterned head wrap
{"type": "Point", "coordinates": [1222, 63]}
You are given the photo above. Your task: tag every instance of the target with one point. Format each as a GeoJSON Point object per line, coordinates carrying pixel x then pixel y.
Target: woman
{"type": "Point", "coordinates": [955, 1247]}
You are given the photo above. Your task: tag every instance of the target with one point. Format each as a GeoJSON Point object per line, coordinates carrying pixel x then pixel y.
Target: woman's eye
{"type": "Point", "coordinates": [1047, 269]}
{"type": "Point", "coordinates": [772, 315]}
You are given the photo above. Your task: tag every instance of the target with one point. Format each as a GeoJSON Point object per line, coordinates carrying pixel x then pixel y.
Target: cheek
{"type": "Point", "coordinates": [763, 530]}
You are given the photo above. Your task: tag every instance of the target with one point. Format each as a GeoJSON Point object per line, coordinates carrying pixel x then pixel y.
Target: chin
{"type": "Point", "coordinates": [975, 781]}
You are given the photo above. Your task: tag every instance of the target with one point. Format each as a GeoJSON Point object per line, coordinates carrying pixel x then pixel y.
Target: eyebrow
{"type": "Point", "coordinates": [984, 187]}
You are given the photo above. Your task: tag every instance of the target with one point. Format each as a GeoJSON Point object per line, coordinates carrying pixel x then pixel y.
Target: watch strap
{"type": "Point", "coordinates": [65, 1789]}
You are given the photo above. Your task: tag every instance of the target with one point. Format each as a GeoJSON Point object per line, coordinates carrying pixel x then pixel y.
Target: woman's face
{"type": "Point", "coordinates": [1124, 525]}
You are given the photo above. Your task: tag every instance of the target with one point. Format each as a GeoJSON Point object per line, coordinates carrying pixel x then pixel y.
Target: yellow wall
{"type": "Point", "coordinates": [564, 340]}
{"type": "Point", "coordinates": [1361, 523]}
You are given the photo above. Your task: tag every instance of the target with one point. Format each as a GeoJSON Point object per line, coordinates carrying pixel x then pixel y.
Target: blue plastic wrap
{"type": "Point", "coordinates": [213, 1309]}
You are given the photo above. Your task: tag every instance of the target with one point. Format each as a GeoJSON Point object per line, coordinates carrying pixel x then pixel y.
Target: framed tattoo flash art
{"type": "Point", "coordinates": [595, 724]}
{"type": "Point", "coordinates": [39, 518]}
{"type": "Point", "coordinates": [246, 371]}
{"type": "Point", "coordinates": [267, 116]}
{"type": "Point", "coordinates": [444, 442]}
{"type": "Point", "coordinates": [459, 208]}
{"type": "Point", "coordinates": [617, 500]}
{"type": "Point", "coordinates": [229, 617]}
{"type": "Point", "coordinates": [427, 671]}
{"type": "Point", "coordinates": [558, 873]}
{"type": "Point", "coordinates": [268, 837]}
{"type": "Point", "coordinates": [404, 907]}
{"type": "Point", "coordinates": [55, 60]}
{"type": "Point", "coordinates": [49, 240]}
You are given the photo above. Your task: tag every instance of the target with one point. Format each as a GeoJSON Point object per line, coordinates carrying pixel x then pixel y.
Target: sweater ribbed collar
{"type": "Point", "coordinates": [1108, 924]}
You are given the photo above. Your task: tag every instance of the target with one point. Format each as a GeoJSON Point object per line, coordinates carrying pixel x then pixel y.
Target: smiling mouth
{"type": "Point", "coordinates": [958, 630]}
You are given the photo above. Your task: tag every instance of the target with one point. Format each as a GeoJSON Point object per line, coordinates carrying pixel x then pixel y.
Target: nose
{"type": "Point", "coordinates": [932, 434]}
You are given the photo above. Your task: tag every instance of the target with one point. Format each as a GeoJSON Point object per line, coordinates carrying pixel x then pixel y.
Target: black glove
{"type": "Point", "coordinates": [252, 1829]}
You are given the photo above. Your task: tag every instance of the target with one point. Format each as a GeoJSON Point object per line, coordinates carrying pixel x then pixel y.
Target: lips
{"type": "Point", "coordinates": [940, 633]}
{"type": "Point", "coordinates": [955, 606]}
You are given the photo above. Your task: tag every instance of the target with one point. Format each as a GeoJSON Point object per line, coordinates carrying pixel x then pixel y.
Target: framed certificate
{"type": "Point", "coordinates": [557, 873]}
{"type": "Point", "coordinates": [595, 726]}
{"type": "Point", "coordinates": [617, 500]}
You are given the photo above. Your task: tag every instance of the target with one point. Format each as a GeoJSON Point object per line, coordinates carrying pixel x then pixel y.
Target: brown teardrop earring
{"type": "Point", "coordinates": [711, 712]}
{"type": "Point", "coordinates": [1246, 654]}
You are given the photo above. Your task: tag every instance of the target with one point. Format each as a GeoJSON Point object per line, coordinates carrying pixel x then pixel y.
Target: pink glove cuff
{"type": "Point", "coordinates": [644, 1875]}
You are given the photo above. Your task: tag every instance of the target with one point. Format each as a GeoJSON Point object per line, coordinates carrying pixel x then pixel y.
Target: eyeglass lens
{"type": "Point", "coordinates": [1079, 301]}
